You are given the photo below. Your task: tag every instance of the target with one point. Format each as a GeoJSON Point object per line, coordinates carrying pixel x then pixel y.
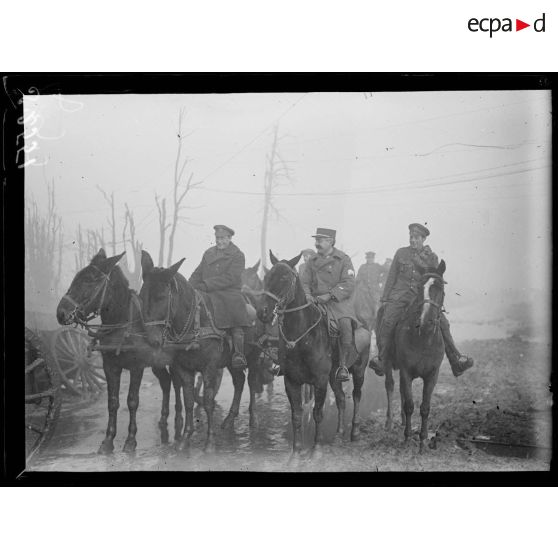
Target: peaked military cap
{"type": "Point", "coordinates": [223, 228]}
{"type": "Point", "coordinates": [324, 233]}
{"type": "Point", "coordinates": [418, 228]}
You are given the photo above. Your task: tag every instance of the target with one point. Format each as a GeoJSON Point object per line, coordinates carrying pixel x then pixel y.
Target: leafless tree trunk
{"type": "Point", "coordinates": [178, 197]}
{"type": "Point", "coordinates": [162, 209]}
{"type": "Point", "coordinates": [276, 170]}
{"type": "Point", "coordinates": [112, 220]}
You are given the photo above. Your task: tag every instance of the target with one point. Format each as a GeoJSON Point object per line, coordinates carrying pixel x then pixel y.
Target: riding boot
{"type": "Point", "coordinates": [342, 373]}
{"type": "Point", "coordinates": [458, 362]}
{"type": "Point", "coordinates": [238, 358]}
{"type": "Point", "coordinates": [383, 343]}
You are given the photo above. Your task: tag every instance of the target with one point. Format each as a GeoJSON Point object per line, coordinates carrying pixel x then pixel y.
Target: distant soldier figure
{"type": "Point", "coordinates": [367, 290]}
{"type": "Point", "coordinates": [306, 254]}
{"type": "Point", "coordinates": [219, 274]}
{"type": "Point", "coordinates": [384, 274]}
{"type": "Point", "coordinates": [329, 278]}
{"type": "Point", "coordinates": [409, 264]}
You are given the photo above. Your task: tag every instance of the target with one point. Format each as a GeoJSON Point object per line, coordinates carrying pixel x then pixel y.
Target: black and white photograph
{"type": "Point", "coordinates": [304, 281]}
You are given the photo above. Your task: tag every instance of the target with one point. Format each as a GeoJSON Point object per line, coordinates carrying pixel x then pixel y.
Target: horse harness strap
{"type": "Point", "coordinates": [292, 343]}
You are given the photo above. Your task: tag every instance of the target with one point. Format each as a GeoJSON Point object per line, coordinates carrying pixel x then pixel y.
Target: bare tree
{"type": "Point", "coordinates": [180, 189]}
{"type": "Point", "coordinates": [163, 226]}
{"type": "Point", "coordinates": [112, 220]}
{"type": "Point", "coordinates": [276, 172]}
{"type": "Point", "coordinates": [134, 277]}
{"type": "Point", "coordinates": [43, 251]}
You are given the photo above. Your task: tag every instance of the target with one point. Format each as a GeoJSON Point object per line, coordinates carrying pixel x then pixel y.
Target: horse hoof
{"type": "Point", "coordinates": [164, 436]}
{"type": "Point", "coordinates": [355, 436]}
{"type": "Point", "coordinates": [107, 447]}
{"type": "Point", "coordinates": [254, 423]}
{"type": "Point", "coordinates": [317, 453]}
{"type": "Point", "coordinates": [389, 424]}
{"type": "Point", "coordinates": [129, 446]}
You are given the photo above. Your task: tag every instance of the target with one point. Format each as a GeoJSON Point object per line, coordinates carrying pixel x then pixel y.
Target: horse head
{"type": "Point", "coordinates": [156, 296]}
{"type": "Point", "coordinates": [250, 277]}
{"type": "Point", "coordinates": [279, 287]}
{"type": "Point", "coordinates": [432, 296]}
{"type": "Point", "coordinates": [88, 290]}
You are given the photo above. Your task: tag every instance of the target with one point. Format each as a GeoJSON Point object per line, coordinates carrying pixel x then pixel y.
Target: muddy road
{"type": "Point", "coordinates": [494, 418]}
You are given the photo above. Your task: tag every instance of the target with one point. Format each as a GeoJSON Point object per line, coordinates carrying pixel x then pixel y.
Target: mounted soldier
{"type": "Point", "coordinates": [367, 290]}
{"type": "Point", "coordinates": [219, 275]}
{"type": "Point", "coordinates": [329, 279]}
{"type": "Point", "coordinates": [407, 268]}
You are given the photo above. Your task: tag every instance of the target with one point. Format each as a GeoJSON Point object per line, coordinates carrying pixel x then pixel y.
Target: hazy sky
{"type": "Point", "coordinates": [474, 166]}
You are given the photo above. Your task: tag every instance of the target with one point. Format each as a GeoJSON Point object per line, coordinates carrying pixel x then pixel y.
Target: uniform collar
{"type": "Point", "coordinates": [214, 253]}
{"type": "Point", "coordinates": [335, 254]}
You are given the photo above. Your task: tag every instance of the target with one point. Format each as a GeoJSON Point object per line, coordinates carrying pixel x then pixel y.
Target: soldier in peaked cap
{"type": "Point", "coordinates": [219, 275]}
{"type": "Point", "coordinates": [329, 278]}
{"type": "Point", "coordinates": [407, 268]}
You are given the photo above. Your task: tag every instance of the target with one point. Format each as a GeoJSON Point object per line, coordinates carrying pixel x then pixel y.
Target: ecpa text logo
{"type": "Point", "coordinates": [492, 25]}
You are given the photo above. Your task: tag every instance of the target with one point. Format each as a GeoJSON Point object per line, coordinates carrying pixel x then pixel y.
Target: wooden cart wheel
{"type": "Point", "coordinates": [42, 393]}
{"type": "Point", "coordinates": [81, 370]}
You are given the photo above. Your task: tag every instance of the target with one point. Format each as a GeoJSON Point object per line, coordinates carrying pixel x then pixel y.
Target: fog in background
{"type": "Point", "coordinates": [474, 166]}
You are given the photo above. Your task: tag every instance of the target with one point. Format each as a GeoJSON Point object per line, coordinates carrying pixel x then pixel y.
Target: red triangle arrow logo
{"type": "Point", "coordinates": [519, 25]}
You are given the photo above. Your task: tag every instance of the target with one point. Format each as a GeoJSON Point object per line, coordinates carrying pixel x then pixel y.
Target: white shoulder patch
{"type": "Point", "coordinates": [351, 272]}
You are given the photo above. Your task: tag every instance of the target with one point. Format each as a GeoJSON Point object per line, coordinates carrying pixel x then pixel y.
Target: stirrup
{"type": "Point", "coordinates": [342, 374]}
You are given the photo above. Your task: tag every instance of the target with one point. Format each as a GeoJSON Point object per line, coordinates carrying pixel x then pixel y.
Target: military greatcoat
{"type": "Point", "coordinates": [333, 274]}
{"type": "Point", "coordinates": [219, 274]}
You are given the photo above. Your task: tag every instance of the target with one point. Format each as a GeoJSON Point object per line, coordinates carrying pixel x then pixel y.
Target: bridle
{"type": "Point", "coordinates": [169, 334]}
{"type": "Point", "coordinates": [79, 308]}
{"type": "Point", "coordinates": [439, 306]}
{"type": "Point", "coordinates": [281, 308]}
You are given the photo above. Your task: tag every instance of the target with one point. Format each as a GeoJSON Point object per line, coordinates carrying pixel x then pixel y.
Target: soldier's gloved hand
{"type": "Point", "coordinates": [311, 299]}
{"type": "Point", "coordinates": [323, 299]}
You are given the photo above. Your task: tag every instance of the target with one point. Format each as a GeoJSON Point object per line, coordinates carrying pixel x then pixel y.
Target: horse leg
{"type": "Point", "coordinates": [340, 402]}
{"type": "Point", "coordinates": [238, 379]}
{"type": "Point", "coordinates": [165, 382]}
{"type": "Point", "coordinates": [295, 399]}
{"type": "Point", "coordinates": [209, 381]}
{"type": "Point", "coordinates": [178, 420]}
{"type": "Point", "coordinates": [197, 390]}
{"type": "Point", "coordinates": [253, 372]}
{"type": "Point", "coordinates": [318, 413]}
{"type": "Point", "coordinates": [402, 396]}
{"type": "Point", "coordinates": [358, 381]}
{"type": "Point", "coordinates": [112, 375]}
{"type": "Point", "coordinates": [427, 389]}
{"type": "Point", "coordinates": [406, 387]}
{"type": "Point", "coordinates": [187, 380]}
{"type": "Point", "coordinates": [133, 403]}
{"type": "Point", "coordinates": [390, 384]}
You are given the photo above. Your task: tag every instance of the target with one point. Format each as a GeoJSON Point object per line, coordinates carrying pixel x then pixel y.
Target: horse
{"type": "Point", "coordinates": [171, 305]}
{"type": "Point", "coordinates": [417, 351]}
{"type": "Point", "coordinates": [101, 288]}
{"type": "Point", "coordinates": [306, 352]}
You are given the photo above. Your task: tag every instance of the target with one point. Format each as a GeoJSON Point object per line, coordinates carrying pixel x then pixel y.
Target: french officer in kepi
{"type": "Point", "coordinates": [407, 268]}
{"type": "Point", "coordinates": [219, 275]}
{"type": "Point", "coordinates": [329, 278]}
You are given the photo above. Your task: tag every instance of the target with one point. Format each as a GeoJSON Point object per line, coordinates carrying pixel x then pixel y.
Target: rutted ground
{"type": "Point", "coordinates": [505, 398]}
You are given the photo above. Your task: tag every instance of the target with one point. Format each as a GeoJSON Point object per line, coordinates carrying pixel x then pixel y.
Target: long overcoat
{"type": "Point", "coordinates": [219, 274]}
{"type": "Point", "coordinates": [333, 274]}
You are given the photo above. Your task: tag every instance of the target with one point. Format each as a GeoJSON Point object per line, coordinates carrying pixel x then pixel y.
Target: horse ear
{"type": "Point", "coordinates": [112, 261]}
{"type": "Point", "coordinates": [173, 269]}
{"type": "Point", "coordinates": [441, 268]}
{"type": "Point", "coordinates": [146, 264]}
{"type": "Point", "coordinates": [99, 257]}
{"type": "Point", "coordinates": [255, 267]}
{"type": "Point", "coordinates": [295, 260]}
{"type": "Point", "coordinates": [273, 259]}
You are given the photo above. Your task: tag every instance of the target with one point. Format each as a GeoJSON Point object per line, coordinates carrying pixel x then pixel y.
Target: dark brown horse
{"type": "Point", "coordinates": [306, 352]}
{"type": "Point", "coordinates": [102, 289]}
{"type": "Point", "coordinates": [418, 350]}
{"type": "Point", "coordinates": [173, 309]}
